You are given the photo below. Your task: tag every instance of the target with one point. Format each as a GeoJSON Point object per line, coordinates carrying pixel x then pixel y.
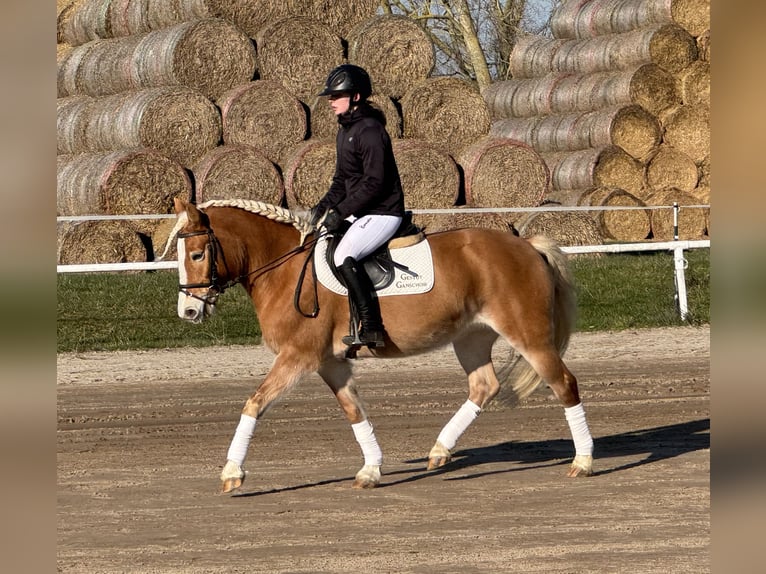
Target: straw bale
{"type": "Point", "coordinates": [704, 171]}
{"type": "Point", "coordinates": [324, 122]}
{"type": "Point", "coordinates": [628, 225]}
{"type": "Point", "coordinates": [101, 242]}
{"type": "Point", "coordinates": [608, 166]}
{"type": "Point", "coordinates": [702, 194]}
{"type": "Point", "coordinates": [691, 221]}
{"type": "Point", "coordinates": [668, 46]}
{"type": "Point", "coordinates": [694, 83]}
{"type": "Point", "coordinates": [265, 115]}
{"type": "Point", "coordinates": [445, 111]}
{"type": "Point", "coordinates": [308, 172]}
{"type": "Point", "coordinates": [394, 50]}
{"type": "Point", "coordinates": [669, 167]}
{"type": "Point", "coordinates": [430, 177]}
{"type": "Point", "coordinates": [298, 52]}
{"type": "Point", "coordinates": [499, 172]}
{"type": "Point", "coordinates": [179, 122]}
{"type": "Point", "coordinates": [692, 15]}
{"type": "Point", "coordinates": [565, 228]}
{"type": "Point", "coordinates": [210, 55]}
{"type": "Point", "coordinates": [631, 127]}
{"type": "Point", "coordinates": [340, 16]}
{"type": "Point", "coordinates": [703, 46]}
{"type": "Point", "coordinates": [688, 130]}
{"type": "Point", "coordinates": [647, 86]}
{"type": "Point", "coordinates": [65, 9]}
{"type": "Point", "coordinates": [237, 172]}
{"type": "Point", "coordinates": [437, 222]}
{"type": "Point", "coordinates": [122, 182]}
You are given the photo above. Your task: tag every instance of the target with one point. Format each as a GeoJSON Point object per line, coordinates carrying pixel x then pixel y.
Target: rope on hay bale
{"type": "Point", "coordinates": [499, 172]}
{"type": "Point", "coordinates": [324, 122]}
{"type": "Point", "coordinates": [179, 122]}
{"type": "Point", "coordinates": [122, 182]}
{"type": "Point", "coordinates": [210, 55]}
{"type": "Point", "coordinates": [668, 46]}
{"type": "Point", "coordinates": [394, 50]}
{"type": "Point", "coordinates": [566, 228]}
{"type": "Point", "coordinates": [298, 52]}
{"type": "Point", "coordinates": [691, 221]}
{"type": "Point", "coordinates": [437, 222]}
{"type": "Point", "coordinates": [631, 127]}
{"type": "Point", "coordinates": [430, 177]}
{"type": "Point", "coordinates": [101, 242]}
{"type": "Point", "coordinates": [308, 172]}
{"type": "Point", "coordinates": [445, 111]}
{"type": "Point", "coordinates": [237, 171]}
{"type": "Point", "coordinates": [694, 83]}
{"type": "Point", "coordinates": [687, 129]}
{"type": "Point", "coordinates": [669, 167]}
{"type": "Point", "coordinates": [608, 166]}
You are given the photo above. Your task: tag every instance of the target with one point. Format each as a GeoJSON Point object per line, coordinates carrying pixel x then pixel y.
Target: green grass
{"type": "Point", "coordinates": [113, 311]}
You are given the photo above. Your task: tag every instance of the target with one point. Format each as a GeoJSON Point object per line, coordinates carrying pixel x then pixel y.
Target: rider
{"type": "Point", "coordinates": [366, 191]}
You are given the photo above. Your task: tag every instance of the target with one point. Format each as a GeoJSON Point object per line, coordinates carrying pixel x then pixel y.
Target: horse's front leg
{"type": "Point", "coordinates": [337, 374]}
{"type": "Point", "coordinates": [284, 373]}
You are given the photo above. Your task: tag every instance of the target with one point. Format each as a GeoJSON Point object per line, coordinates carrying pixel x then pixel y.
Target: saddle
{"type": "Point", "coordinates": [379, 265]}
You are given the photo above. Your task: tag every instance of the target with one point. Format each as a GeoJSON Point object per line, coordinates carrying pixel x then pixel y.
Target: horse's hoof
{"type": "Point", "coordinates": [231, 484]}
{"type": "Point", "coordinates": [368, 477]}
{"type": "Point", "coordinates": [439, 456]}
{"type": "Point", "coordinates": [232, 476]}
{"type": "Point", "coordinates": [582, 465]}
{"type": "Point", "coordinates": [438, 462]}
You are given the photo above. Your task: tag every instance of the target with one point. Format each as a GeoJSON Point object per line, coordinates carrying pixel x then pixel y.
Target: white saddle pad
{"type": "Point", "coordinates": [419, 277]}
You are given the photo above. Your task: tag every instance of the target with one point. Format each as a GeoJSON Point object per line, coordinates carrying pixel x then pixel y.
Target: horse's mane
{"type": "Point", "coordinates": [298, 220]}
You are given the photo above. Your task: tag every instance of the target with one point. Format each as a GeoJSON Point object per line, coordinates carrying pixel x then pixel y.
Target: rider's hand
{"type": "Point", "coordinates": [333, 221]}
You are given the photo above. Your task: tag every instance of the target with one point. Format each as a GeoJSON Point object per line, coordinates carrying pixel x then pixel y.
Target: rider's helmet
{"type": "Point", "coordinates": [348, 78]}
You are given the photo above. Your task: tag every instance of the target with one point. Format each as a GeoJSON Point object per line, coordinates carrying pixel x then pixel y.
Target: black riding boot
{"type": "Point", "coordinates": [361, 293]}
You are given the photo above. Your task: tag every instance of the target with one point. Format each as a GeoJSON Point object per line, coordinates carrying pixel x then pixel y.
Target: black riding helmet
{"type": "Point", "coordinates": [348, 78]}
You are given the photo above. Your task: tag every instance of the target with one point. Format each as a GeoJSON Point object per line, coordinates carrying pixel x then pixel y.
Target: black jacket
{"type": "Point", "coordinates": [366, 179]}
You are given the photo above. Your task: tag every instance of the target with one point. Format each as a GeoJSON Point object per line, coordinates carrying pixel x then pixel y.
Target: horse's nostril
{"type": "Point", "coordinates": [190, 313]}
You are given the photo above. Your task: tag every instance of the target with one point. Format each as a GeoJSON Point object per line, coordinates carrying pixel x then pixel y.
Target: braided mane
{"type": "Point", "coordinates": [273, 212]}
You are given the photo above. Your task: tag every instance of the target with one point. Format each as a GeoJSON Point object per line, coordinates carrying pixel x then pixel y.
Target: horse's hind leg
{"type": "Point", "coordinates": [474, 351]}
{"type": "Point", "coordinates": [337, 374]}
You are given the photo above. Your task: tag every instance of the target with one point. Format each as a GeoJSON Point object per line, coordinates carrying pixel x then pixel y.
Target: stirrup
{"type": "Point", "coordinates": [357, 339]}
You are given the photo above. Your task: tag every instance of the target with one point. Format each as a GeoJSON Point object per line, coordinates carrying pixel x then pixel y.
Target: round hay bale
{"type": "Point", "coordinates": [688, 130]}
{"type": "Point", "coordinates": [499, 172]}
{"type": "Point", "coordinates": [340, 16]}
{"type": "Point", "coordinates": [237, 172]}
{"type": "Point", "coordinates": [101, 242]}
{"type": "Point", "coordinates": [134, 17]}
{"type": "Point", "coordinates": [123, 182]}
{"type": "Point", "coordinates": [628, 225]}
{"type": "Point", "coordinates": [265, 115]}
{"type": "Point", "coordinates": [608, 166]}
{"type": "Point", "coordinates": [394, 50]}
{"type": "Point", "coordinates": [702, 194]}
{"type": "Point", "coordinates": [65, 12]}
{"type": "Point", "coordinates": [446, 112]}
{"type": "Point", "coordinates": [308, 173]}
{"type": "Point", "coordinates": [692, 15]}
{"type": "Point", "coordinates": [704, 171]}
{"type": "Point", "coordinates": [694, 82]}
{"type": "Point", "coordinates": [438, 222]}
{"type": "Point", "coordinates": [568, 197]}
{"type": "Point", "coordinates": [251, 15]}
{"type": "Point", "coordinates": [669, 167]}
{"type": "Point", "coordinates": [430, 177]}
{"type": "Point", "coordinates": [565, 228]}
{"type": "Point", "coordinates": [703, 46]}
{"type": "Point", "coordinates": [324, 122]}
{"type": "Point", "coordinates": [631, 127]}
{"type": "Point", "coordinates": [210, 55]}
{"type": "Point", "coordinates": [691, 221]}
{"type": "Point", "coordinates": [179, 122]}
{"type": "Point", "coordinates": [668, 46]}
{"type": "Point", "coordinates": [299, 52]}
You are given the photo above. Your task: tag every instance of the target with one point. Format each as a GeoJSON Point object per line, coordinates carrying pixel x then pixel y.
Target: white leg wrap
{"type": "Point", "coordinates": [579, 427]}
{"type": "Point", "coordinates": [240, 442]}
{"type": "Point", "coordinates": [461, 420]}
{"type": "Point", "coordinates": [365, 436]}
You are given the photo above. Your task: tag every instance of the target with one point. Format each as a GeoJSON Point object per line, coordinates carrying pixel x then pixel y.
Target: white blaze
{"type": "Point", "coordinates": [182, 277]}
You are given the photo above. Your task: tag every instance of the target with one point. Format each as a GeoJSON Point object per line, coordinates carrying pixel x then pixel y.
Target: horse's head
{"type": "Point", "coordinates": [198, 287]}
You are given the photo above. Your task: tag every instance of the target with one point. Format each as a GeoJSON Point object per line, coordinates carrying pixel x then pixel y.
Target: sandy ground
{"type": "Point", "coordinates": [142, 437]}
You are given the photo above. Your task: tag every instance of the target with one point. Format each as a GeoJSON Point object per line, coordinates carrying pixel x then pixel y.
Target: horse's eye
{"type": "Point", "coordinates": [197, 256]}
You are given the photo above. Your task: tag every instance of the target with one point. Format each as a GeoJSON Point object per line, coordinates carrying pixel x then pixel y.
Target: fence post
{"type": "Point", "coordinates": [680, 265]}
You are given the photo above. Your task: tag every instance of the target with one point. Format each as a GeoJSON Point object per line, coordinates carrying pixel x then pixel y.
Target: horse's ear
{"type": "Point", "coordinates": [179, 205]}
{"type": "Point", "coordinates": [194, 214]}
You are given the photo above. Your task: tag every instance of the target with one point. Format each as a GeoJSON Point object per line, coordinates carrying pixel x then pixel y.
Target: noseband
{"type": "Point", "coordinates": [214, 289]}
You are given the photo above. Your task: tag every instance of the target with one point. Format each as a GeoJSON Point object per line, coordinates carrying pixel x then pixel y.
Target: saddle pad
{"type": "Point", "coordinates": [417, 258]}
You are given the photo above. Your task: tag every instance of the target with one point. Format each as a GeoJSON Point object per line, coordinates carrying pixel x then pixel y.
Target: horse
{"type": "Point", "coordinates": [487, 284]}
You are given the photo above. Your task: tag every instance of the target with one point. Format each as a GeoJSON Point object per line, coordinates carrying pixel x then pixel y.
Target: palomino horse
{"type": "Point", "coordinates": [487, 283]}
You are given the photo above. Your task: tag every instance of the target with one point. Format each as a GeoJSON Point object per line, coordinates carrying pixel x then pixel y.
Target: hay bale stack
{"type": "Point", "coordinates": [631, 127]}
{"type": "Point", "coordinates": [447, 112]}
{"type": "Point", "coordinates": [122, 182]}
{"type": "Point", "coordinates": [210, 55]}
{"type": "Point", "coordinates": [668, 46]}
{"type": "Point", "coordinates": [438, 222]}
{"type": "Point", "coordinates": [430, 177]}
{"type": "Point", "coordinates": [628, 225]}
{"type": "Point", "coordinates": [101, 242]}
{"type": "Point", "coordinates": [394, 50]}
{"type": "Point", "coordinates": [688, 130]}
{"type": "Point", "coordinates": [565, 228]}
{"type": "Point", "coordinates": [237, 172]}
{"type": "Point", "coordinates": [179, 122]}
{"type": "Point", "coordinates": [265, 115]}
{"type": "Point", "coordinates": [608, 166]}
{"type": "Point", "coordinates": [669, 167]}
{"type": "Point", "coordinates": [694, 83]}
{"type": "Point", "coordinates": [499, 172]}
{"type": "Point", "coordinates": [324, 122]}
{"type": "Point", "coordinates": [298, 52]}
{"type": "Point", "coordinates": [647, 86]}
{"type": "Point", "coordinates": [308, 172]}
{"type": "Point", "coordinates": [691, 221]}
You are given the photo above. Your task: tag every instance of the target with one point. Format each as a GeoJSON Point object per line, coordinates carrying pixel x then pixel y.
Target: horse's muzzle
{"type": "Point", "coordinates": [193, 309]}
